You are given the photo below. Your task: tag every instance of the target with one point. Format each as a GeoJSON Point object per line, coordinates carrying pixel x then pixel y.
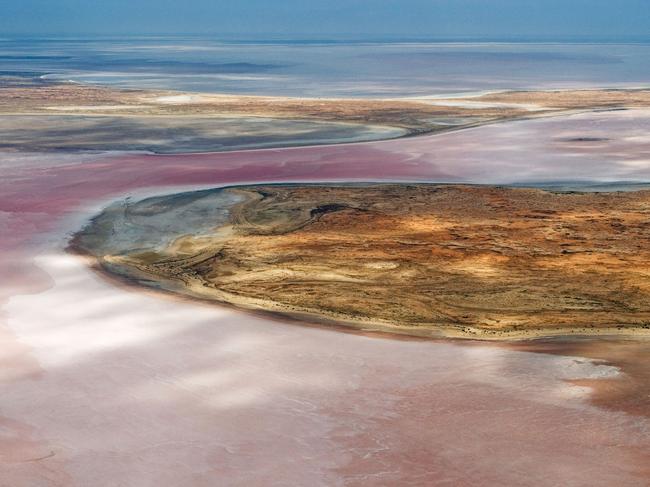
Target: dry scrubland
{"type": "Point", "coordinates": [423, 259]}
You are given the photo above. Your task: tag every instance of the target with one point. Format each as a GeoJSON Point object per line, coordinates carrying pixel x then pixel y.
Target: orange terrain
{"type": "Point", "coordinates": [454, 260]}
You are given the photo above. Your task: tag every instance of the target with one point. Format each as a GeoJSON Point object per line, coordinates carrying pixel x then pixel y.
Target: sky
{"type": "Point", "coordinates": [544, 19]}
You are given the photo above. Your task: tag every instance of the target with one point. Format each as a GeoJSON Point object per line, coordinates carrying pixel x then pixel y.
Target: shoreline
{"type": "Point", "coordinates": [115, 380]}
{"type": "Point", "coordinates": [344, 144]}
{"type": "Point", "coordinates": [411, 117]}
{"type": "Point", "coordinates": [615, 393]}
{"type": "Point", "coordinates": [133, 276]}
{"type": "Point", "coordinates": [366, 327]}
{"type": "Point", "coordinates": [178, 373]}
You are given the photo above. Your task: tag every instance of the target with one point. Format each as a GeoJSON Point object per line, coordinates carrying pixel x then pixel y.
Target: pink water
{"type": "Point", "coordinates": [106, 386]}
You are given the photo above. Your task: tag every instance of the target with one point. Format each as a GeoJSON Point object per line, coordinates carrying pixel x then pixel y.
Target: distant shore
{"type": "Point", "coordinates": [162, 121]}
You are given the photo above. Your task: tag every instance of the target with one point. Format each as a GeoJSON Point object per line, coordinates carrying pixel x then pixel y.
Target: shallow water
{"type": "Point", "coordinates": [332, 69]}
{"type": "Point", "coordinates": [175, 135]}
{"type": "Point", "coordinates": [153, 223]}
{"type": "Point", "coordinates": [102, 382]}
{"type": "Point", "coordinates": [172, 392]}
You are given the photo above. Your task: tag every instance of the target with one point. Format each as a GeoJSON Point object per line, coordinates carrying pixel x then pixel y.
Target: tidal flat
{"type": "Point", "coordinates": [72, 117]}
{"type": "Point", "coordinates": [175, 134]}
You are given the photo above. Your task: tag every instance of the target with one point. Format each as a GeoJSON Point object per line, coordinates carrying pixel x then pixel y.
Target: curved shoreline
{"type": "Point", "coordinates": [615, 393]}
{"type": "Point", "coordinates": [169, 363]}
{"type": "Point", "coordinates": [278, 312]}
{"type": "Point", "coordinates": [412, 117]}
{"type": "Point", "coordinates": [129, 271]}
{"type": "Point", "coordinates": [103, 379]}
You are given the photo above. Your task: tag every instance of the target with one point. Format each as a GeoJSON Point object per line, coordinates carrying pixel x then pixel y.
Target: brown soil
{"type": "Point", "coordinates": [467, 260]}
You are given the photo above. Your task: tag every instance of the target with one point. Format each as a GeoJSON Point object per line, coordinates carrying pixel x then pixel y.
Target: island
{"type": "Point", "coordinates": [434, 260]}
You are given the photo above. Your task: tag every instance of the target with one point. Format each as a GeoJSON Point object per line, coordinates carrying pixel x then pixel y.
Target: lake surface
{"type": "Point", "coordinates": [103, 382]}
{"type": "Point", "coordinates": [333, 69]}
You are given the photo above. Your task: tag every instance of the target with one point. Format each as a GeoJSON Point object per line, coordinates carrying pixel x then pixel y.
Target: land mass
{"type": "Point", "coordinates": [420, 259]}
{"type": "Point", "coordinates": [54, 116]}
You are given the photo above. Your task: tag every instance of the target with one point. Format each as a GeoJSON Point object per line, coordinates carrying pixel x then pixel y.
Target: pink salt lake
{"type": "Point", "coordinates": [107, 386]}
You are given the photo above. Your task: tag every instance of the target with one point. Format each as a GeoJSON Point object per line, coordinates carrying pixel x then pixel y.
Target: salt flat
{"type": "Point", "coordinates": [138, 390]}
{"type": "Point", "coordinates": [103, 385]}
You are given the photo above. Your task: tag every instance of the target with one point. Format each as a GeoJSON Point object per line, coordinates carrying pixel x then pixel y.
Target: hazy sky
{"type": "Point", "coordinates": [320, 18]}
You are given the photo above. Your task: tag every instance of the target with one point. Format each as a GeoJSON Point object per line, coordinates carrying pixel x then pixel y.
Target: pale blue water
{"type": "Point", "coordinates": [313, 68]}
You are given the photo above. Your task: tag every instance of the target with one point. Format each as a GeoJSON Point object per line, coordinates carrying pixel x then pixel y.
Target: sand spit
{"type": "Point", "coordinates": [113, 114]}
{"type": "Point", "coordinates": [172, 134]}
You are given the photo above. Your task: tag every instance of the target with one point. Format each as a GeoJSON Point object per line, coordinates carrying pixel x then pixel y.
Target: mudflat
{"type": "Point", "coordinates": [420, 259]}
{"type": "Point", "coordinates": [57, 116]}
